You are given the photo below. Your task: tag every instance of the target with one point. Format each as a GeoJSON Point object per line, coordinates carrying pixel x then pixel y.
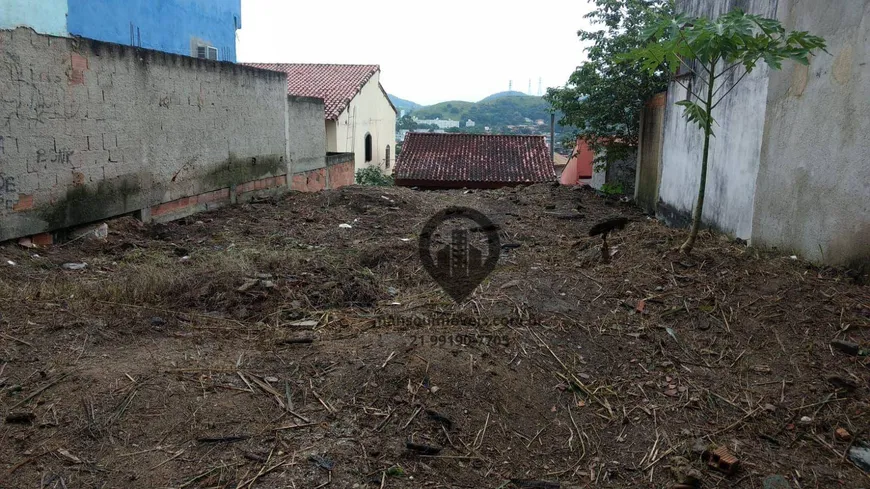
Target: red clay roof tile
{"type": "Point", "coordinates": [337, 85]}
{"type": "Point", "coordinates": [484, 158]}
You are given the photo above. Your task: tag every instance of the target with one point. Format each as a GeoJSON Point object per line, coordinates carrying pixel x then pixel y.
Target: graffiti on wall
{"type": "Point", "coordinates": [8, 191]}
{"type": "Point", "coordinates": [62, 156]}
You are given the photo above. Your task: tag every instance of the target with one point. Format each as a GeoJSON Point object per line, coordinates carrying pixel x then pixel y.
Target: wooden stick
{"type": "Point", "coordinates": [17, 339]}
{"type": "Point", "coordinates": [41, 390]}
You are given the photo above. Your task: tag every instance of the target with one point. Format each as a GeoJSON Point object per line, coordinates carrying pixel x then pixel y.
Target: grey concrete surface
{"type": "Point", "coordinates": [813, 189]}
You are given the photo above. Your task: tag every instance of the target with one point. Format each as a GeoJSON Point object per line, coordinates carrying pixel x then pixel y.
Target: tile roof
{"type": "Point", "coordinates": [485, 158]}
{"type": "Point", "coordinates": [335, 84]}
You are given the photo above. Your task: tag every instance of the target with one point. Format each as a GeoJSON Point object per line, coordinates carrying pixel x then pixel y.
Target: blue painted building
{"type": "Point", "coordinates": [199, 28]}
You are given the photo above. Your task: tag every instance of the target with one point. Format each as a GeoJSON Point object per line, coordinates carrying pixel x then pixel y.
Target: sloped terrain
{"type": "Point", "coordinates": [263, 345]}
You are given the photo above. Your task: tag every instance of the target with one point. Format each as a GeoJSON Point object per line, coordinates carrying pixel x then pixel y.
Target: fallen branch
{"type": "Point", "coordinates": [41, 390]}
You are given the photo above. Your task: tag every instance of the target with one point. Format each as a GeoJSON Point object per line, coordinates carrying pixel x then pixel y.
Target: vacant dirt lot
{"type": "Point", "coordinates": [263, 345]}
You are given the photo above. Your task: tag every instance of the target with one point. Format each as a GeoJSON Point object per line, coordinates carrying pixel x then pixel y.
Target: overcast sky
{"type": "Point", "coordinates": [429, 52]}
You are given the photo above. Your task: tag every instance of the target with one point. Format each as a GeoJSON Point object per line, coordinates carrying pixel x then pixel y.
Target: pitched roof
{"type": "Point", "coordinates": [486, 158]}
{"type": "Point", "coordinates": [335, 84]}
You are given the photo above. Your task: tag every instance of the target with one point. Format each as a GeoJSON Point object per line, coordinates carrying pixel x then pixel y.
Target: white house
{"type": "Point", "coordinates": [441, 123]}
{"type": "Point", "coordinates": [359, 116]}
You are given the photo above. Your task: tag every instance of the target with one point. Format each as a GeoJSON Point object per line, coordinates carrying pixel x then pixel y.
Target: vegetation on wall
{"type": "Point", "coordinates": [603, 98]}
{"type": "Point", "coordinates": [711, 50]}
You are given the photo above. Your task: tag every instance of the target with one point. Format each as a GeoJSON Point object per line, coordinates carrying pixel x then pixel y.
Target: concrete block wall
{"type": "Point", "coordinates": [91, 130]}
{"type": "Point", "coordinates": [307, 141]}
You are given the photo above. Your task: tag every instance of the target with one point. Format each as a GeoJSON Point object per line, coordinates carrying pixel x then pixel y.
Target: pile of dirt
{"type": "Point", "coordinates": [299, 343]}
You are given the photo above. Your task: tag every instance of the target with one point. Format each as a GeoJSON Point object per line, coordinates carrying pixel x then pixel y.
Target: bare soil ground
{"type": "Point", "coordinates": [262, 345]}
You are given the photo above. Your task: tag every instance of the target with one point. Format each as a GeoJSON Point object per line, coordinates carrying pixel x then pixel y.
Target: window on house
{"type": "Point", "coordinates": [368, 148]}
{"type": "Point", "coordinates": [387, 159]}
{"type": "Point", "coordinates": [207, 52]}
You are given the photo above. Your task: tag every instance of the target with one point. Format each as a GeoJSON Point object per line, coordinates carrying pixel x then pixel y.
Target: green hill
{"type": "Point", "coordinates": [511, 93]}
{"type": "Point", "coordinates": [402, 104]}
{"type": "Point", "coordinates": [454, 110]}
{"type": "Point", "coordinates": [494, 111]}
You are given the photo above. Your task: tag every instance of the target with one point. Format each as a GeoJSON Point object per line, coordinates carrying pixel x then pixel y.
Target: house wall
{"type": "Point", "coordinates": [374, 115]}
{"type": "Point", "coordinates": [96, 130]}
{"type": "Point", "coordinates": [735, 149]}
{"type": "Point", "coordinates": [813, 187]}
{"type": "Point", "coordinates": [46, 16]}
{"type": "Point", "coordinates": [174, 26]}
{"type": "Point", "coordinates": [579, 167]}
{"type": "Point", "coordinates": [332, 136]}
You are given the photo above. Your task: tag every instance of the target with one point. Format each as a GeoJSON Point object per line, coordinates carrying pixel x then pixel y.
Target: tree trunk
{"type": "Point", "coordinates": [699, 205]}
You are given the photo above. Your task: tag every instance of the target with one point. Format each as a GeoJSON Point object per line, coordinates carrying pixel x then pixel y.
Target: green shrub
{"type": "Point", "coordinates": [374, 176]}
{"type": "Point", "coordinates": [612, 189]}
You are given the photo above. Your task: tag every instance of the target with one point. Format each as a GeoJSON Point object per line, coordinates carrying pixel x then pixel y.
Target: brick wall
{"type": "Point", "coordinates": [341, 175]}
{"type": "Point", "coordinates": [337, 172]}
{"type": "Point", "coordinates": [91, 130]}
{"type": "Point", "coordinates": [310, 181]}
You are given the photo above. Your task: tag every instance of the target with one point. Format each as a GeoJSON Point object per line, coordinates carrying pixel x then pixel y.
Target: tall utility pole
{"type": "Point", "coordinates": [540, 90]}
{"type": "Point", "coordinates": [510, 85]}
{"type": "Point", "coordinates": [552, 136]}
{"type": "Point", "coordinates": [530, 87]}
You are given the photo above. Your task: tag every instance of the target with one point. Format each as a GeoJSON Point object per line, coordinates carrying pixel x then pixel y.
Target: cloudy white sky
{"type": "Point", "coordinates": [429, 52]}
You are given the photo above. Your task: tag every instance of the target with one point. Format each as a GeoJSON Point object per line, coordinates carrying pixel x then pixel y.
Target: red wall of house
{"type": "Point", "coordinates": [579, 166]}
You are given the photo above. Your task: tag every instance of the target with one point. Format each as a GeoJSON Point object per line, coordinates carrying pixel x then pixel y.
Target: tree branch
{"type": "Point", "coordinates": [729, 90]}
{"type": "Point", "coordinates": [677, 81]}
{"type": "Point", "coordinates": [695, 56]}
{"type": "Point", "coordinates": [726, 70]}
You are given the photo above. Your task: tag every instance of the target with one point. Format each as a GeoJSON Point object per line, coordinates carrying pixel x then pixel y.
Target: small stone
{"type": "Point", "coordinates": [157, 321]}
{"type": "Point", "coordinates": [806, 420]}
{"type": "Point", "coordinates": [860, 456]}
{"type": "Point", "coordinates": [247, 285]}
{"type": "Point", "coordinates": [434, 389]}
{"type": "Point", "coordinates": [20, 417]}
{"type": "Point", "coordinates": [74, 266]}
{"type": "Point", "coordinates": [270, 379]}
{"type": "Point", "coordinates": [843, 434]}
{"type": "Point", "coordinates": [842, 383]}
{"type": "Point", "coordinates": [846, 347]}
{"type": "Point", "coordinates": [769, 407]}
{"type": "Point", "coordinates": [775, 482]}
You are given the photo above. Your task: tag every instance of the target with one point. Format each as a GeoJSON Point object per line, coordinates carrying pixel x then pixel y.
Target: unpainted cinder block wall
{"type": "Point", "coordinates": [91, 130]}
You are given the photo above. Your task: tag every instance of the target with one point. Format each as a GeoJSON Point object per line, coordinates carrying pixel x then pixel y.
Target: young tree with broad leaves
{"type": "Point", "coordinates": [709, 50]}
{"type": "Point", "coordinates": [603, 97]}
